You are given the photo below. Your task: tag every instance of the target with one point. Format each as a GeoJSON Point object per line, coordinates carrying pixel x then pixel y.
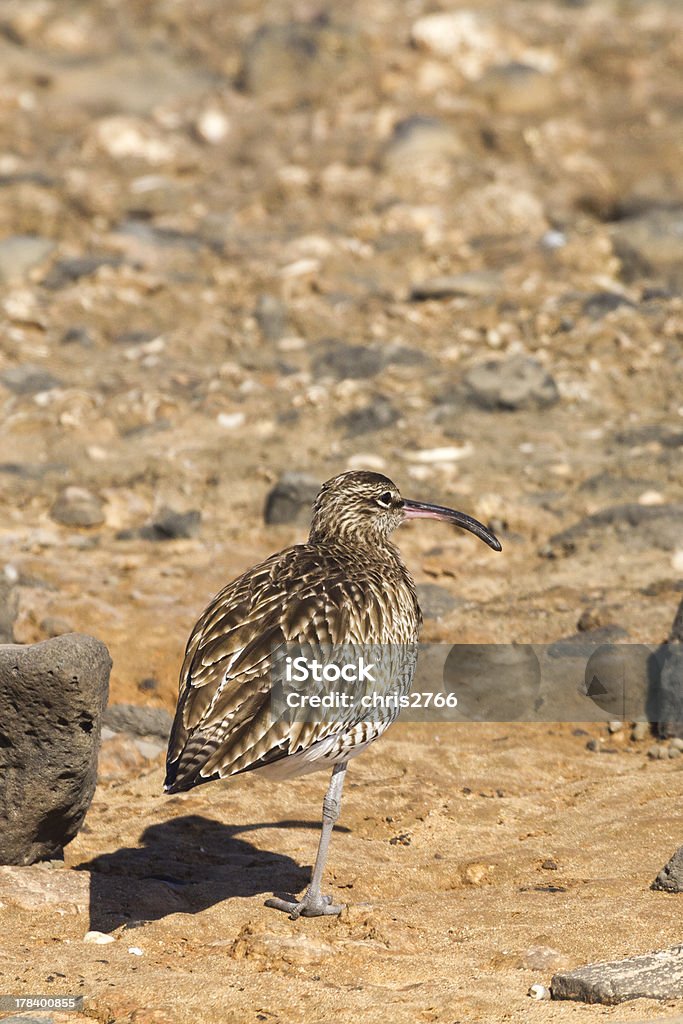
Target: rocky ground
{"type": "Point", "coordinates": [442, 242]}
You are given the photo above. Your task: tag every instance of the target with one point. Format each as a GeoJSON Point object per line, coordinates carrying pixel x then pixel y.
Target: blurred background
{"type": "Point", "coordinates": [245, 246]}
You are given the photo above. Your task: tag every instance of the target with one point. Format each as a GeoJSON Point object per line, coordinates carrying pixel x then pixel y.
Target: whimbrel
{"type": "Point", "coordinates": [346, 585]}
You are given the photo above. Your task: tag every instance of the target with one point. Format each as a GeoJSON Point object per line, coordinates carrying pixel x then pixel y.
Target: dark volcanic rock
{"type": "Point", "coordinates": [651, 976]}
{"type": "Point", "coordinates": [670, 878]}
{"type": "Point", "coordinates": [291, 499]}
{"type": "Point", "coordinates": [669, 697]}
{"type": "Point", "coordinates": [515, 383]}
{"type": "Point", "coordinates": [65, 272]}
{"type": "Point", "coordinates": [337, 359]}
{"type": "Point", "coordinates": [376, 416]}
{"type": "Point", "coordinates": [601, 303]}
{"type": "Point", "coordinates": [29, 380]}
{"type": "Point", "coordinates": [52, 696]}
{"type": "Point", "coordinates": [170, 525]}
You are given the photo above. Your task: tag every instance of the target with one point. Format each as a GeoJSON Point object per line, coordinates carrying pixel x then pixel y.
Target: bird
{"type": "Point", "coordinates": [347, 585]}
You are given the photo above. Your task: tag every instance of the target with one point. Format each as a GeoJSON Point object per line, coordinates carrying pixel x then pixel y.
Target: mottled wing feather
{"type": "Point", "coordinates": [223, 722]}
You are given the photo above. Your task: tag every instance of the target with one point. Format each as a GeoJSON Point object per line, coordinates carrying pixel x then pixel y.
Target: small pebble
{"type": "Point", "coordinates": [676, 743]}
{"type": "Point", "coordinates": [135, 950]}
{"type": "Point", "coordinates": [98, 938]}
{"type": "Point", "coordinates": [539, 992]}
{"type": "Point", "coordinates": [230, 420]}
{"type": "Point", "coordinates": [77, 506]}
{"type": "Point", "coordinates": [674, 752]}
{"type": "Point", "coordinates": [640, 731]}
{"type": "Point", "coordinates": [656, 752]}
{"type": "Point", "coordinates": [212, 126]}
{"type": "Point", "coordinates": [450, 454]}
{"type": "Point", "coordinates": [615, 727]}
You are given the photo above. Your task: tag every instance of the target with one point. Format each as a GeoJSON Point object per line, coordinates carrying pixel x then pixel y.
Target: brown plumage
{"type": "Point", "coordinates": [347, 585]}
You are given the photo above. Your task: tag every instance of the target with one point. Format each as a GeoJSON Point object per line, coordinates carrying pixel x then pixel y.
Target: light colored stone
{"type": "Point", "coordinates": [21, 253]}
{"type": "Point", "coordinates": [98, 938]}
{"type": "Point", "coordinates": [125, 138]}
{"type": "Point", "coordinates": [38, 886]}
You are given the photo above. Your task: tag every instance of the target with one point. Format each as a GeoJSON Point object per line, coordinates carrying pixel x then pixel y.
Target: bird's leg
{"type": "Point", "coordinates": [314, 904]}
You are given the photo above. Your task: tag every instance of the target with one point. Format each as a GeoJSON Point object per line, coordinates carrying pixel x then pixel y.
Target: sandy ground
{"type": "Point", "coordinates": [440, 854]}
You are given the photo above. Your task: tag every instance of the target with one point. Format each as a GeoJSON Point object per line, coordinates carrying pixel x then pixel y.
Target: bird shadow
{"type": "Point", "coordinates": [186, 865]}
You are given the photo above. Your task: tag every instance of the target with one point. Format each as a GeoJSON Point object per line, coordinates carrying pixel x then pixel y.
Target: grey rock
{"type": "Point", "coordinates": [341, 361]}
{"type": "Point", "coordinates": [171, 525]}
{"type": "Point", "coordinates": [493, 682]}
{"type": "Point", "coordinates": [651, 243]}
{"type": "Point", "coordinates": [337, 359]}
{"type": "Point", "coordinates": [436, 601]}
{"type": "Point", "coordinates": [509, 384]}
{"type": "Point", "coordinates": [291, 498]}
{"type": "Point", "coordinates": [583, 643]}
{"type": "Point", "coordinates": [52, 696]}
{"type": "Point", "coordinates": [54, 625]}
{"type": "Point", "coordinates": [650, 976]}
{"type": "Point", "coordinates": [657, 525]}
{"type": "Point", "coordinates": [669, 685]}
{"type": "Point", "coordinates": [29, 380]}
{"type": "Point", "coordinates": [65, 272]}
{"type": "Point", "coordinates": [670, 878]}
{"type": "Point", "coordinates": [78, 336]}
{"type": "Point", "coordinates": [670, 696]}
{"type": "Point", "coordinates": [402, 355]}
{"type": "Point", "coordinates": [300, 62]}
{"type": "Point", "coordinates": [8, 611]}
{"type": "Point", "coordinates": [21, 253]}
{"type": "Point", "coordinates": [471, 284]}
{"type": "Point", "coordinates": [636, 436]}
{"type": "Point", "coordinates": [138, 720]}
{"type": "Point", "coordinates": [41, 886]}
{"type": "Point", "coordinates": [376, 416]}
{"type": "Point", "coordinates": [600, 303]}
{"type": "Point", "coordinates": [676, 634]}
{"type": "Point", "coordinates": [418, 143]}
{"type": "Point", "coordinates": [517, 88]}
{"type": "Point", "coordinates": [271, 316]}
{"type": "Point", "coordinates": [77, 506]}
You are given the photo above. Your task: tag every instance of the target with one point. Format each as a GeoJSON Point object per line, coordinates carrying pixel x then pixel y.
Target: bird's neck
{"type": "Point", "coordinates": [355, 544]}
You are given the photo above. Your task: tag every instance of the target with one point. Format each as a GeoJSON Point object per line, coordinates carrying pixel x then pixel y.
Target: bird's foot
{"type": "Point", "coordinates": [312, 905]}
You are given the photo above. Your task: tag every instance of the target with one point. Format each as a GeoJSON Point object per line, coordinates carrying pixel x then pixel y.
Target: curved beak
{"type": "Point", "coordinates": [420, 510]}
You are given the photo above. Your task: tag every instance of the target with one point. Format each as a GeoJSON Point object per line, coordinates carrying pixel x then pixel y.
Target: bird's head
{"type": "Point", "coordinates": [365, 508]}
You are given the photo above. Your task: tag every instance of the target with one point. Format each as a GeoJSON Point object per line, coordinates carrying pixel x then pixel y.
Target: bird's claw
{"type": "Point", "coordinates": [309, 906]}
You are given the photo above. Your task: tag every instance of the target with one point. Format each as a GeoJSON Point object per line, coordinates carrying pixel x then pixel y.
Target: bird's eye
{"type": "Point", "coordinates": [385, 499]}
